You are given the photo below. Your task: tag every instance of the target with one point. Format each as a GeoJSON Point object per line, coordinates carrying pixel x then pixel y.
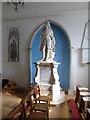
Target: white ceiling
{"type": "Point", "coordinates": [35, 9]}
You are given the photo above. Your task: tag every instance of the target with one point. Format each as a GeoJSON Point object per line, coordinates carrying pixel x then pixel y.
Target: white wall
{"type": "Point", "coordinates": [72, 22]}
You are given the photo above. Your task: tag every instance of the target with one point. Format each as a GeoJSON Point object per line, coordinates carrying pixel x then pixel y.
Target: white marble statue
{"type": "Point", "coordinates": [47, 45]}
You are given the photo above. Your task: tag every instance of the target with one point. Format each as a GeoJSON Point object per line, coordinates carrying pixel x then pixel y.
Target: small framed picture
{"type": "Point", "coordinates": [13, 45]}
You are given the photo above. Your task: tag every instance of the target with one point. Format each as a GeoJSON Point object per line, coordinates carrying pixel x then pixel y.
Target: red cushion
{"type": "Point", "coordinates": [36, 92]}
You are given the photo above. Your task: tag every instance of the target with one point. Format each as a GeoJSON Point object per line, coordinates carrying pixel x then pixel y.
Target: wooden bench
{"type": "Point", "coordinates": [85, 104]}
{"type": "Point", "coordinates": [82, 94]}
{"type": "Point", "coordinates": [88, 113]}
{"type": "Point", "coordinates": [78, 90]}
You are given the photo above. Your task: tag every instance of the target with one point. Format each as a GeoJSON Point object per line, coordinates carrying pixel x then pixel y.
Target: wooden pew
{"type": "Point", "coordinates": [82, 94]}
{"type": "Point", "coordinates": [85, 104]}
{"type": "Point", "coordinates": [88, 114]}
{"type": "Point", "coordinates": [78, 90]}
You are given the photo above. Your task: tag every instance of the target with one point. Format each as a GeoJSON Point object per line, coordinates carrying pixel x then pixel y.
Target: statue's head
{"type": "Point", "coordinates": [47, 24]}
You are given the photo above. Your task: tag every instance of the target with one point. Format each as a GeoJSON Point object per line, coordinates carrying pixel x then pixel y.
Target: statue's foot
{"type": "Point", "coordinates": [42, 60]}
{"type": "Point", "coordinates": [49, 60]}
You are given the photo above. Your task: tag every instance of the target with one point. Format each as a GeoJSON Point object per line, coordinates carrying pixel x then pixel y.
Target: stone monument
{"type": "Point", "coordinates": [46, 69]}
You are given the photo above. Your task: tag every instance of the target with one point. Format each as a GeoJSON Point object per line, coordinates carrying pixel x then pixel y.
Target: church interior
{"type": "Point", "coordinates": [44, 63]}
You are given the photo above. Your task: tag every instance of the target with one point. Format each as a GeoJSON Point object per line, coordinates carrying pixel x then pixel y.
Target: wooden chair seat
{"type": "Point", "coordinates": [40, 106]}
{"type": "Point", "coordinates": [37, 115]}
{"type": "Point", "coordinates": [44, 99]}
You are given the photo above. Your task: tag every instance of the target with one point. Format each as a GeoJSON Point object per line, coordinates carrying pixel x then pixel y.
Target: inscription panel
{"type": "Point", "coordinates": [45, 74]}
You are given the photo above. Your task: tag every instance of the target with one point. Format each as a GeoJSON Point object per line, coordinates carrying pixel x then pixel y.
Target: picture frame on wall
{"type": "Point", "coordinates": [13, 45]}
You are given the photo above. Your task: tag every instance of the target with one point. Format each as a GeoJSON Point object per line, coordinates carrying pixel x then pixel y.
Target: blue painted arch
{"type": "Point", "coordinates": [62, 53]}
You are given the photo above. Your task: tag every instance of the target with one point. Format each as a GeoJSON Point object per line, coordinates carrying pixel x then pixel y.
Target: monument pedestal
{"type": "Point", "coordinates": [48, 79]}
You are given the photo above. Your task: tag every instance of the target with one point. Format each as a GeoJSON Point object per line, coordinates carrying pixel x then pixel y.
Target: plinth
{"type": "Point", "coordinates": [48, 79]}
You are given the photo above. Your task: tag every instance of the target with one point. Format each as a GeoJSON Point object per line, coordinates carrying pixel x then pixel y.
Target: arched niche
{"type": "Point", "coordinates": [62, 52]}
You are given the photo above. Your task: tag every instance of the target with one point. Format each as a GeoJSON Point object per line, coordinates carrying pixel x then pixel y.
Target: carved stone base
{"type": "Point", "coordinates": [48, 79]}
{"type": "Point", "coordinates": [60, 100]}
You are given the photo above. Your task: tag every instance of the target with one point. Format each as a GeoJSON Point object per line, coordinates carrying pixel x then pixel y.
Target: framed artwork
{"type": "Point", "coordinates": [13, 45]}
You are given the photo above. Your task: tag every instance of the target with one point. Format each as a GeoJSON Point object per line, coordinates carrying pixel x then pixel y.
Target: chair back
{"type": "Point", "coordinates": [26, 105]}
{"type": "Point", "coordinates": [33, 99]}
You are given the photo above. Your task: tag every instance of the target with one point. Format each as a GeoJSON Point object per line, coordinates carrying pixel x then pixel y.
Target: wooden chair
{"type": "Point", "coordinates": [39, 97]}
{"type": "Point", "coordinates": [40, 107]}
{"type": "Point", "coordinates": [16, 113]}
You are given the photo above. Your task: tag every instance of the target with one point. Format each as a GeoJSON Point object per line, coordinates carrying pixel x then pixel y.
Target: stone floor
{"type": "Point", "coordinates": [60, 111]}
